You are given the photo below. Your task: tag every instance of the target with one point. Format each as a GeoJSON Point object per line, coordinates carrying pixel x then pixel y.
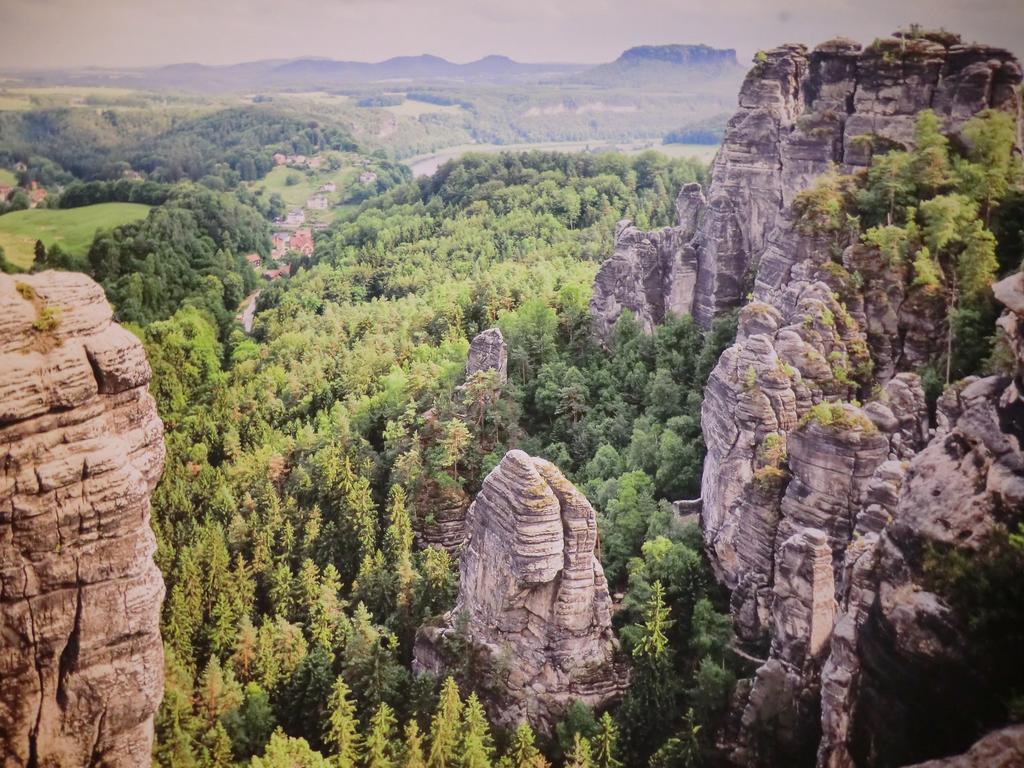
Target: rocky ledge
{"type": "Point", "coordinates": [81, 449]}
{"type": "Point", "coordinates": [532, 623]}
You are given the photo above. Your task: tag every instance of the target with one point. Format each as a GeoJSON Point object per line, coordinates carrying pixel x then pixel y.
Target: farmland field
{"type": "Point", "coordinates": [72, 228]}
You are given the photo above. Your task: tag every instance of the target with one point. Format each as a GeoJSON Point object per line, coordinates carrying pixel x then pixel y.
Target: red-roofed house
{"type": "Point", "coordinates": [254, 259]}
{"type": "Point", "coordinates": [302, 241]}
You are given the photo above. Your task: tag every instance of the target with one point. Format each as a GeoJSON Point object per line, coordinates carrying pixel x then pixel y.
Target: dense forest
{"type": "Point", "coordinates": [301, 460]}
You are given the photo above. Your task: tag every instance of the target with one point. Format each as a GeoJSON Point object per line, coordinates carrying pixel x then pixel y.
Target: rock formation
{"type": "Point", "coordinates": [446, 526]}
{"type": "Point", "coordinates": [815, 509]}
{"type": "Point", "coordinates": [533, 611]}
{"type": "Point", "coordinates": [81, 658]}
{"type": "Point", "coordinates": [650, 273]}
{"type": "Point", "coordinates": [488, 351]}
{"type": "Point", "coordinates": [1000, 749]}
{"type": "Point", "coordinates": [799, 111]}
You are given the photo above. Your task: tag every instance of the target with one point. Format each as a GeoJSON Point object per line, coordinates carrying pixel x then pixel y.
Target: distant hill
{"type": "Point", "coordinates": [647, 67]}
{"type": "Point", "coordinates": [306, 72]}
{"type": "Point", "coordinates": [650, 66]}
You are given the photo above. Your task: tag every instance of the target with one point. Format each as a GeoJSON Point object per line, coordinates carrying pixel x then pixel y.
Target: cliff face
{"type": "Point", "coordinates": [533, 611]}
{"type": "Point", "coordinates": [816, 511]}
{"type": "Point", "coordinates": [799, 110]}
{"type": "Point", "coordinates": [81, 448]}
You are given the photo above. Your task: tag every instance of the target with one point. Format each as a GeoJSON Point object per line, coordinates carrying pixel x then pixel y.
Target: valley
{"type": "Point", "coordinates": [665, 412]}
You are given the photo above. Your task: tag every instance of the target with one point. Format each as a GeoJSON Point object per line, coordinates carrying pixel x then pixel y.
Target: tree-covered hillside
{"type": "Point", "coordinates": [301, 459]}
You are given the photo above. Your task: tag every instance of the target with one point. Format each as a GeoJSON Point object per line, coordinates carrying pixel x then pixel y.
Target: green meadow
{"type": "Point", "coordinates": [72, 228]}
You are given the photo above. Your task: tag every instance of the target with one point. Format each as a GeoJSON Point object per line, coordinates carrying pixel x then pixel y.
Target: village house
{"type": "Point", "coordinates": [5, 192]}
{"type": "Point", "coordinates": [254, 260]}
{"type": "Point", "coordinates": [302, 242]}
{"type": "Point", "coordinates": [330, 186]}
{"type": "Point", "coordinates": [314, 162]}
{"type": "Point", "coordinates": [317, 203]}
{"type": "Point", "coordinates": [272, 274]}
{"type": "Point", "coordinates": [295, 218]}
{"type": "Point", "coordinates": [279, 159]}
{"type": "Point", "coordinates": [367, 177]}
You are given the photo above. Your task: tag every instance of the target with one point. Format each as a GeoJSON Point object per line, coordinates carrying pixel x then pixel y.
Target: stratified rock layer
{"type": "Point", "coordinates": [533, 606]}
{"type": "Point", "coordinates": [799, 111]}
{"type": "Point", "coordinates": [81, 448]}
{"type": "Point", "coordinates": [814, 508]}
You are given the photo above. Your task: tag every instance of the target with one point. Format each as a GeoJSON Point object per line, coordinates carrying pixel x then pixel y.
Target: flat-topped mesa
{"type": "Point", "coordinates": [81, 449]}
{"type": "Point", "coordinates": [533, 606]}
{"type": "Point", "coordinates": [799, 111]}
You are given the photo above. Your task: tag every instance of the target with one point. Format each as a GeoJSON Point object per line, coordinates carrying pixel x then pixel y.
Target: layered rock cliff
{"type": "Point", "coordinates": [81, 448]}
{"type": "Point", "coordinates": [532, 623]}
{"type": "Point", "coordinates": [816, 509]}
{"type": "Point", "coordinates": [799, 111]}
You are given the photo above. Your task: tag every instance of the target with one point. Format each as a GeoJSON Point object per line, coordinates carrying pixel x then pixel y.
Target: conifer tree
{"type": "Point", "coordinates": [379, 742]}
{"type": "Point", "coordinates": [522, 751]}
{"type": "Point", "coordinates": [444, 727]}
{"type": "Point", "coordinates": [477, 744]}
{"type": "Point", "coordinates": [412, 751]}
{"type": "Point", "coordinates": [581, 755]}
{"type": "Point", "coordinates": [607, 740]}
{"type": "Point", "coordinates": [653, 640]}
{"type": "Point", "coordinates": [930, 157]}
{"type": "Point", "coordinates": [343, 727]}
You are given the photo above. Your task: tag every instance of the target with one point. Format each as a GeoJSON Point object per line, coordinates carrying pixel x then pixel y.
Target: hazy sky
{"type": "Point", "coordinates": [56, 33]}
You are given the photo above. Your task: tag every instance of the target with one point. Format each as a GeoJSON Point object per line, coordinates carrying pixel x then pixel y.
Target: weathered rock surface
{"type": "Point", "coordinates": [815, 508]}
{"type": "Point", "coordinates": [799, 111]}
{"type": "Point", "coordinates": [651, 274]}
{"type": "Point", "coordinates": [1000, 749]}
{"type": "Point", "coordinates": [81, 448]}
{"type": "Point", "coordinates": [533, 602]}
{"type": "Point", "coordinates": [488, 352]}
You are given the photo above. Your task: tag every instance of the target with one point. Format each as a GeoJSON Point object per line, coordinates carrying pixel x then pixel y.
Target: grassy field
{"type": "Point", "coordinates": [295, 195]}
{"type": "Point", "coordinates": [7, 178]}
{"type": "Point", "coordinates": [73, 228]}
{"type": "Point", "coordinates": [413, 108]}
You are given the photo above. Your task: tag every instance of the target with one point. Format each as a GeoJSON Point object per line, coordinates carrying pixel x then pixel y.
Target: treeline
{"type": "Point", "coordinates": [221, 149]}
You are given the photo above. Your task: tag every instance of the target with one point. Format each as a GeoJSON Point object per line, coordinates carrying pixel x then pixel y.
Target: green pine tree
{"type": "Point", "coordinates": [343, 727]}
{"type": "Point", "coordinates": [444, 727]}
